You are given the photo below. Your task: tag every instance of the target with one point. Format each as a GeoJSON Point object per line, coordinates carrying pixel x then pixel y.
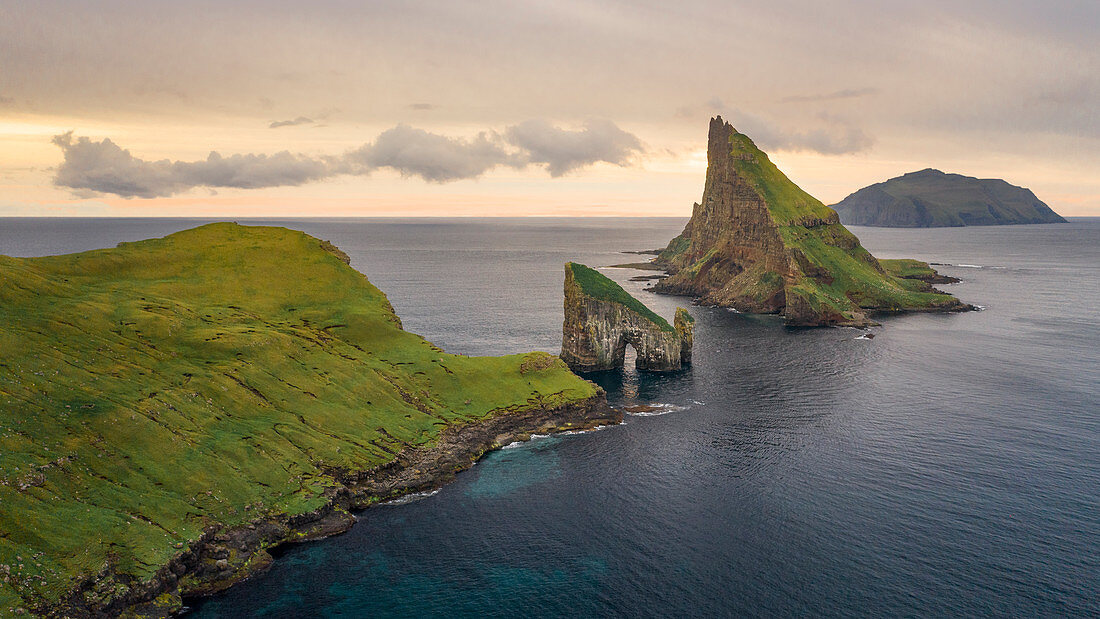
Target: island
{"type": "Point", "coordinates": [931, 199]}
{"type": "Point", "coordinates": [601, 319]}
{"type": "Point", "coordinates": [758, 243]}
{"type": "Point", "coordinates": [172, 409]}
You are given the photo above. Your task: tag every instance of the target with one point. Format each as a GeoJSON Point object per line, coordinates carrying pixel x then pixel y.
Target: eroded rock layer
{"type": "Point", "coordinates": [601, 319]}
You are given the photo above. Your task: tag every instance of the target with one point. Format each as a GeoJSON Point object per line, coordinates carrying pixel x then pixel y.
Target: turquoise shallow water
{"type": "Point", "coordinates": [948, 467]}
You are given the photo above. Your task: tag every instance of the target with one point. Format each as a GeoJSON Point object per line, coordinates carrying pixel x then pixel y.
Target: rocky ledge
{"type": "Point", "coordinates": [601, 319]}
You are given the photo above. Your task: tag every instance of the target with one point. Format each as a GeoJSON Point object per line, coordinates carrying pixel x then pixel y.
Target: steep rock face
{"type": "Point", "coordinates": [685, 328]}
{"type": "Point", "coordinates": [601, 319]}
{"type": "Point", "coordinates": [930, 199]}
{"type": "Point", "coordinates": [758, 243]}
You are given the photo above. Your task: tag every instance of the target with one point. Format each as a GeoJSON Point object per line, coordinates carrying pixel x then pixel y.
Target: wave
{"type": "Point", "coordinates": [411, 497]}
{"type": "Point", "coordinates": [652, 410]}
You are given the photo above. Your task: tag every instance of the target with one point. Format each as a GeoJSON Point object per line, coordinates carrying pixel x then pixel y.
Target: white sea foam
{"type": "Point", "coordinates": [864, 337]}
{"type": "Point", "coordinates": [572, 432]}
{"type": "Point", "coordinates": [412, 497]}
{"type": "Point", "coordinates": [698, 402]}
{"type": "Point", "coordinates": [970, 266]}
{"type": "Point", "coordinates": [659, 409]}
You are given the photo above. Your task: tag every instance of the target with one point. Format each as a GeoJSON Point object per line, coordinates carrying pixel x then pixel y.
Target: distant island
{"type": "Point", "coordinates": [932, 199]}
{"type": "Point", "coordinates": [758, 243]}
{"type": "Point", "coordinates": [173, 409]}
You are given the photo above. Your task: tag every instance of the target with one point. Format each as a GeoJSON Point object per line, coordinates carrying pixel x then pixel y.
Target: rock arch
{"type": "Point", "coordinates": [601, 319]}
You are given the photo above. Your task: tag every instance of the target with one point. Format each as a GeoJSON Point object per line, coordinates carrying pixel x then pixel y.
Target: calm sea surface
{"type": "Point", "coordinates": [950, 466]}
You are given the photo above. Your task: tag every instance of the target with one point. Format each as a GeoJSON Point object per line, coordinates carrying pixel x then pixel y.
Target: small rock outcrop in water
{"type": "Point", "coordinates": [932, 199]}
{"type": "Point", "coordinates": [601, 319]}
{"type": "Point", "coordinates": [760, 244]}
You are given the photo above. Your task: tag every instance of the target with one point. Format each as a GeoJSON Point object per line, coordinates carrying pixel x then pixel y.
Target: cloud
{"type": "Point", "coordinates": [90, 168]}
{"type": "Point", "coordinates": [433, 157]}
{"type": "Point", "coordinates": [103, 167]}
{"type": "Point", "coordinates": [563, 150]}
{"type": "Point", "coordinates": [301, 120]}
{"type": "Point", "coordinates": [848, 93]}
{"type": "Point", "coordinates": [833, 136]}
{"type": "Point", "coordinates": [422, 106]}
{"type": "Point", "coordinates": [6, 101]}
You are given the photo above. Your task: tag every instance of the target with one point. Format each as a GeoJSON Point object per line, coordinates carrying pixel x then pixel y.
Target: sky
{"type": "Point", "coordinates": [540, 108]}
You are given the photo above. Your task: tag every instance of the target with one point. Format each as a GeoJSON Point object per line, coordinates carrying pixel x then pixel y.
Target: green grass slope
{"type": "Point", "coordinates": [831, 278]}
{"type": "Point", "coordinates": [787, 202]}
{"type": "Point", "coordinates": [211, 376]}
{"type": "Point", "coordinates": [931, 198]}
{"type": "Point", "coordinates": [839, 275]}
{"type": "Point", "coordinates": [599, 286]}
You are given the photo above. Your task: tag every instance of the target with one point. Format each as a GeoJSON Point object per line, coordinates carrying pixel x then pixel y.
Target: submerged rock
{"type": "Point", "coordinates": [601, 319]}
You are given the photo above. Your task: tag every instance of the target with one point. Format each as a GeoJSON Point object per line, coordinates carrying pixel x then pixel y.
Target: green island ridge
{"type": "Point", "coordinates": [932, 199]}
{"type": "Point", "coordinates": [172, 408]}
{"type": "Point", "coordinates": [758, 243]}
{"type": "Point", "coordinates": [599, 286]}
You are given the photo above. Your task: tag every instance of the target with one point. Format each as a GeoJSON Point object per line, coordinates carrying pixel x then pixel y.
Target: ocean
{"type": "Point", "coordinates": [948, 467]}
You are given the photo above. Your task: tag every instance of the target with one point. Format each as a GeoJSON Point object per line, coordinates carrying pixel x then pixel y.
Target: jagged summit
{"type": "Point", "coordinates": [758, 243]}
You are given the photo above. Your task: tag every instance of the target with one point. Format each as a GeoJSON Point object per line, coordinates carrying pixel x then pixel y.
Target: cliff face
{"type": "Point", "coordinates": [758, 243]}
{"type": "Point", "coordinates": [601, 319]}
{"type": "Point", "coordinates": [930, 198]}
{"type": "Point", "coordinates": [174, 406]}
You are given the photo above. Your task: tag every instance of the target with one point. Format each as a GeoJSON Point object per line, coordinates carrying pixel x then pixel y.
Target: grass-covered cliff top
{"type": "Point", "coordinates": [786, 201]}
{"type": "Point", "coordinates": [212, 376]}
{"type": "Point", "coordinates": [907, 268]}
{"type": "Point", "coordinates": [599, 286]}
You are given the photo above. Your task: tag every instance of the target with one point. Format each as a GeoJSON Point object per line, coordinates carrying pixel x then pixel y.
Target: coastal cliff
{"type": "Point", "coordinates": [758, 243]}
{"type": "Point", "coordinates": [172, 409]}
{"type": "Point", "coordinates": [601, 319]}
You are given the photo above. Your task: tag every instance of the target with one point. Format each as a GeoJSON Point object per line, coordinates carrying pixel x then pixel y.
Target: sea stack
{"type": "Point", "coordinates": [601, 319]}
{"type": "Point", "coordinates": [758, 243]}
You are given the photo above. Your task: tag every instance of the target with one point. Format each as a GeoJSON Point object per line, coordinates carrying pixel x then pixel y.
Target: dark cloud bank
{"type": "Point", "coordinates": [104, 167]}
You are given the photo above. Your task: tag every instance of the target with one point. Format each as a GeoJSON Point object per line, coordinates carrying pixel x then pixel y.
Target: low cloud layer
{"type": "Point", "coordinates": [433, 157]}
{"type": "Point", "coordinates": [564, 151]}
{"type": "Point", "coordinates": [103, 167]}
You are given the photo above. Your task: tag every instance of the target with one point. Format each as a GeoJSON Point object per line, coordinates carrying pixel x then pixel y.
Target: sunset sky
{"type": "Point", "coordinates": [562, 107]}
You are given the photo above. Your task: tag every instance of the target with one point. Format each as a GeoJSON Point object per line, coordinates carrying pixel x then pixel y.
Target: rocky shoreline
{"type": "Point", "coordinates": [222, 556]}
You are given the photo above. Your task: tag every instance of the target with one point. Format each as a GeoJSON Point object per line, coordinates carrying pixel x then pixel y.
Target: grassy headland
{"type": "Point", "coordinates": [208, 378]}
